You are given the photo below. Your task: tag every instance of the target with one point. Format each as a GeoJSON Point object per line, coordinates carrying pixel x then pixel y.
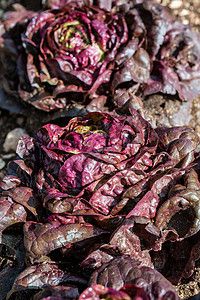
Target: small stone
{"type": "Point", "coordinates": [12, 139]}
{"type": "Point", "coordinates": [2, 164]}
{"type": "Point", "coordinates": [185, 12]}
{"type": "Point", "coordinates": [175, 4]}
{"type": "Point", "coordinates": [185, 22]}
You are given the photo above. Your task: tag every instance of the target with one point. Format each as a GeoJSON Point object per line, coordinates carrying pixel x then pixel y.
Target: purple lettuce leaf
{"type": "Point", "coordinates": [156, 190]}
{"type": "Point", "coordinates": [56, 233]}
{"type": "Point", "coordinates": [11, 213]}
{"type": "Point", "coordinates": [181, 143]}
{"type": "Point", "coordinates": [181, 210]}
{"type": "Point", "coordinates": [123, 270]}
{"type": "Point", "coordinates": [25, 197]}
{"type": "Point", "coordinates": [127, 292]}
{"type": "Point", "coordinates": [19, 16]}
{"type": "Point", "coordinates": [174, 72]}
{"type": "Point", "coordinates": [126, 241]}
{"type": "Point", "coordinates": [9, 182]}
{"type": "Point", "coordinates": [42, 275]}
{"type": "Point", "coordinates": [57, 293]}
{"type": "Point", "coordinates": [187, 72]}
{"type": "Point", "coordinates": [136, 68]}
{"type": "Point", "coordinates": [134, 238]}
{"type": "Point", "coordinates": [97, 258]}
{"type": "Point", "coordinates": [94, 292]}
{"type": "Point", "coordinates": [177, 259]}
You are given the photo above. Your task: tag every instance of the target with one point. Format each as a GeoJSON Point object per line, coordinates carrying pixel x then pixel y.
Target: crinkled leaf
{"type": "Point", "coordinates": [55, 234]}
{"type": "Point", "coordinates": [10, 182]}
{"type": "Point", "coordinates": [10, 213]}
{"type": "Point", "coordinates": [126, 239]}
{"type": "Point", "coordinates": [96, 259]}
{"type": "Point", "coordinates": [25, 197]}
{"type": "Point", "coordinates": [98, 291]}
{"type": "Point", "coordinates": [158, 189]}
{"type": "Point", "coordinates": [136, 69]}
{"type": "Point", "coordinates": [43, 275]}
{"type": "Point", "coordinates": [123, 270]}
{"type": "Point", "coordinates": [181, 210]}
{"type": "Point", "coordinates": [181, 254]}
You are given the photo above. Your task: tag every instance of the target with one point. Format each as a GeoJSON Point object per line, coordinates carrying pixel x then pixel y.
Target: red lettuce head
{"type": "Point", "coordinates": [95, 159]}
{"type": "Point", "coordinates": [77, 53]}
{"type": "Point", "coordinates": [170, 47]}
{"type": "Point", "coordinates": [65, 52]}
{"type": "Point", "coordinates": [100, 165]}
{"type": "Point", "coordinates": [102, 186]}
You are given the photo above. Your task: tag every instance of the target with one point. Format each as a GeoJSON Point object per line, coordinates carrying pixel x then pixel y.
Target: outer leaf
{"type": "Point", "coordinates": [126, 240]}
{"type": "Point", "coordinates": [57, 293]}
{"type": "Point", "coordinates": [25, 197]}
{"type": "Point", "coordinates": [96, 259]}
{"type": "Point", "coordinates": [54, 235]}
{"type": "Point", "coordinates": [11, 213]}
{"type": "Point", "coordinates": [9, 182]}
{"type": "Point", "coordinates": [125, 271]}
{"type": "Point", "coordinates": [182, 200]}
{"type": "Point", "coordinates": [43, 275]}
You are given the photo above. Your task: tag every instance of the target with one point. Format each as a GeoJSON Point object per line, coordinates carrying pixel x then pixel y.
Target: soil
{"type": "Point", "coordinates": [165, 110]}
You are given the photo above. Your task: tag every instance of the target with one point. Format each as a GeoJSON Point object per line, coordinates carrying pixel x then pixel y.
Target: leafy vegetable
{"type": "Point", "coordinates": [76, 52]}
{"type": "Point", "coordinates": [98, 291]}
{"type": "Point", "coordinates": [61, 54]}
{"type": "Point", "coordinates": [125, 275]}
{"type": "Point", "coordinates": [39, 276]}
{"type": "Point", "coordinates": [105, 190]}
